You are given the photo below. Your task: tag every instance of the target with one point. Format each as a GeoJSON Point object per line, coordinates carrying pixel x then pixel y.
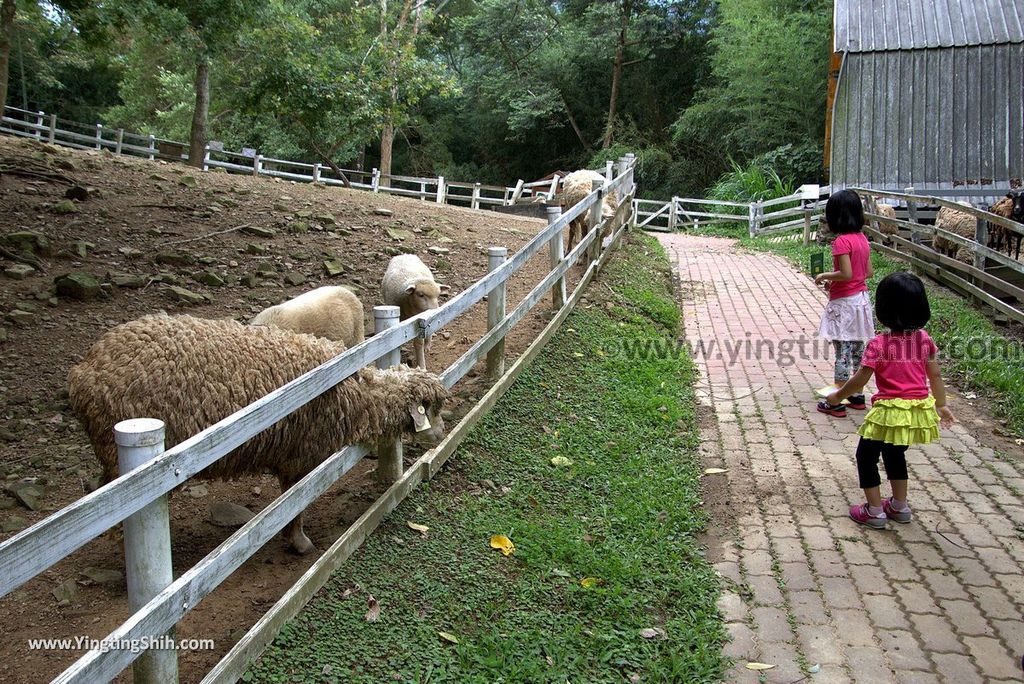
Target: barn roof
{"type": "Point", "coordinates": [876, 25]}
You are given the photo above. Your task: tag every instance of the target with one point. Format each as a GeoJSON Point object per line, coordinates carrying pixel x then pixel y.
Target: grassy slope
{"type": "Point", "coordinates": [954, 321]}
{"type": "Point", "coordinates": [625, 512]}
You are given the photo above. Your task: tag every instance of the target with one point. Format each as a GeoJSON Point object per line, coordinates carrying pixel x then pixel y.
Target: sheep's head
{"type": "Point", "coordinates": [1017, 197]}
{"type": "Point", "coordinates": [426, 398]}
{"type": "Point", "coordinates": [423, 295]}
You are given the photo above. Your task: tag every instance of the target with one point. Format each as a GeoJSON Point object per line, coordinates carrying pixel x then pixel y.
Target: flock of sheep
{"type": "Point", "coordinates": [191, 372]}
{"type": "Point", "coordinates": [965, 225]}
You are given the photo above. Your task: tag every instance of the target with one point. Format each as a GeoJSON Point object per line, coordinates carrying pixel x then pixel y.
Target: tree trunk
{"type": "Point", "coordinates": [575, 125]}
{"type": "Point", "coordinates": [197, 140]}
{"type": "Point", "coordinates": [387, 141]}
{"type": "Point", "coordinates": [6, 30]}
{"type": "Point", "coordinates": [620, 51]}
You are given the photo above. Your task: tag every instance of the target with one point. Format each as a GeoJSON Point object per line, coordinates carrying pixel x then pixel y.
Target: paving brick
{"type": "Point", "coordinates": [886, 612]}
{"type": "Point", "coordinates": [732, 607]}
{"type": "Point", "coordinates": [915, 598]}
{"type": "Point", "coordinates": [898, 567]}
{"type": "Point", "coordinates": [917, 677]}
{"type": "Point", "coordinates": [972, 572]}
{"type": "Point", "coordinates": [936, 634]}
{"type": "Point", "coordinates": [993, 603]}
{"type": "Point", "coordinates": [903, 651]}
{"type": "Point", "coordinates": [797, 576]}
{"type": "Point", "coordinates": [819, 645]}
{"type": "Point", "coordinates": [923, 555]}
{"type": "Point", "coordinates": [944, 585]}
{"type": "Point", "coordinates": [756, 562]}
{"type": "Point", "coordinates": [870, 665]}
{"type": "Point", "coordinates": [772, 624]}
{"type": "Point", "coordinates": [839, 593]}
{"type": "Point", "coordinates": [992, 658]}
{"type": "Point", "coordinates": [766, 589]}
{"type": "Point", "coordinates": [955, 668]}
{"type": "Point", "coordinates": [829, 564]}
{"type": "Point", "coordinates": [741, 645]}
{"type": "Point", "coordinates": [808, 608]}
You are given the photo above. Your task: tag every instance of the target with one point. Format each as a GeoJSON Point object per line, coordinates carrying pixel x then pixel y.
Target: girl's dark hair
{"type": "Point", "coordinates": [844, 212]}
{"type": "Point", "coordinates": [901, 302]}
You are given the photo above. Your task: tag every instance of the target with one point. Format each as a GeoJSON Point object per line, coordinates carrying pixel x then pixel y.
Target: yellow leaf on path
{"type": "Point", "coordinates": [503, 543]}
{"type": "Point", "coordinates": [714, 471]}
{"type": "Point", "coordinates": [451, 638]}
{"type": "Point", "coordinates": [759, 666]}
{"type": "Point", "coordinates": [590, 582]}
{"type": "Point", "coordinates": [416, 526]}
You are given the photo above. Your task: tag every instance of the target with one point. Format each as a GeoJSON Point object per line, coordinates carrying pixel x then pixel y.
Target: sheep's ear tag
{"type": "Point", "coordinates": [419, 418]}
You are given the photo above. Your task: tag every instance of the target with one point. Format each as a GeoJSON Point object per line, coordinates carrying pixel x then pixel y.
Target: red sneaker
{"type": "Point", "coordinates": [858, 402]}
{"type": "Point", "coordinates": [839, 411]}
{"type": "Point", "coordinates": [859, 514]}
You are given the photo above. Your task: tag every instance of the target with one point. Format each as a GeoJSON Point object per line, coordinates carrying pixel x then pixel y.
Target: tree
{"type": "Point", "coordinates": [7, 12]}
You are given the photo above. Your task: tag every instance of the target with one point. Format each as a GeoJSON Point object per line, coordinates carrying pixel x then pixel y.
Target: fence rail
{"type": "Point", "coordinates": [48, 128]}
{"type": "Point", "coordinates": [34, 550]}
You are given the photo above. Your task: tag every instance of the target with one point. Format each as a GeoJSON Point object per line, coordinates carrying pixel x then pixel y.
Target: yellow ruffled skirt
{"type": "Point", "coordinates": [901, 421]}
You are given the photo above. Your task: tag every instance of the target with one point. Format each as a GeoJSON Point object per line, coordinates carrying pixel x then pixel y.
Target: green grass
{"type": "Point", "coordinates": [956, 324]}
{"type": "Point", "coordinates": [627, 512]}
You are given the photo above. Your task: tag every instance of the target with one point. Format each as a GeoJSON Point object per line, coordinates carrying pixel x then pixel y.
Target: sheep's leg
{"type": "Point", "coordinates": [420, 352]}
{"type": "Point", "coordinates": [298, 540]}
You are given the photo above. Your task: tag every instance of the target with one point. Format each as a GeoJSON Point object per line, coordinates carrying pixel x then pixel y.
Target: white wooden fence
{"type": "Point", "coordinates": [132, 495]}
{"type": "Point", "coordinates": [48, 128]}
{"type": "Point", "coordinates": [783, 213]}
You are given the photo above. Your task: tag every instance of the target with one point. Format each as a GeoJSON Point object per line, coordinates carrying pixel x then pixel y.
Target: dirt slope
{"type": "Point", "coordinates": [144, 229]}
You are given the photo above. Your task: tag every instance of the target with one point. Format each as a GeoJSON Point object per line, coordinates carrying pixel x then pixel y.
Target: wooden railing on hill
{"type": "Point", "coordinates": [134, 494]}
{"type": "Point", "coordinates": [48, 128]}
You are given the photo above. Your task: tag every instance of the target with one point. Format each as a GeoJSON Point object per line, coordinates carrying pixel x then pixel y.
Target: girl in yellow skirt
{"type": "Point", "coordinates": [910, 401]}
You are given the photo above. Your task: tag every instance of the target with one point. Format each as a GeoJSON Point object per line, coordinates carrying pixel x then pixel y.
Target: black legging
{"type": "Point", "coordinates": [893, 456]}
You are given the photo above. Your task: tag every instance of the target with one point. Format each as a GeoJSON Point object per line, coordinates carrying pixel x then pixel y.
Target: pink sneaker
{"type": "Point", "coordinates": [891, 513]}
{"type": "Point", "coordinates": [859, 514]}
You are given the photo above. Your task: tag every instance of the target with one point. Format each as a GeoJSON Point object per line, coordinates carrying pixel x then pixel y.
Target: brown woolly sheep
{"type": "Point", "coordinates": [575, 188]}
{"type": "Point", "coordinates": [882, 226]}
{"type": "Point", "coordinates": [1011, 207]}
{"type": "Point", "coordinates": [960, 223]}
{"type": "Point", "coordinates": [409, 285]}
{"type": "Point", "coordinates": [333, 312]}
{"type": "Point", "coordinates": [191, 372]}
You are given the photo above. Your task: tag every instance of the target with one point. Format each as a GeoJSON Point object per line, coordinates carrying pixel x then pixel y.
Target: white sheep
{"type": "Point", "coordinates": [191, 373]}
{"type": "Point", "coordinates": [409, 285]}
{"type": "Point", "coordinates": [959, 223]}
{"type": "Point", "coordinates": [575, 188]}
{"type": "Point", "coordinates": [333, 311]}
{"type": "Point", "coordinates": [881, 225]}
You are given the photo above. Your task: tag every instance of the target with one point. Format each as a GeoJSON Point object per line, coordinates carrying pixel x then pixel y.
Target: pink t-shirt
{"type": "Point", "coordinates": [900, 364]}
{"type": "Point", "coordinates": [856, 245]}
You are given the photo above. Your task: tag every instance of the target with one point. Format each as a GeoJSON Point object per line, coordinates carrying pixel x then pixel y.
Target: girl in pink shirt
{"type": "Point", "coordinates": [847, 319]}
{"type": "Point", "coordinates": [910, 401]}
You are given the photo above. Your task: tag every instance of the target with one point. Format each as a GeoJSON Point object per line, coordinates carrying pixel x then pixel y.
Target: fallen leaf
{"type": "Point", "coordinates": [373, 614]}
{"type": "Point", "coordinates": [591, 582]}
{"type": "Point", "coordinates": [577, 355]}
{"type": "Point", "coordinates": [759, 666]}
{"type": "Point", "coordinates": [561, 461]}
{"type": "Point", "coordinates": [450, 638]}
{"type": "Point", "coordinates": [714, 471]}
{"type": "Point", "coordinates": [814, 669]}
{"type": "Point", "coordinates": [503, 543]}
{"type": "Point", "coordinates": [559, 573]}
{"type": "Point", "coordinates": [422, 529]}
{"type": "Point", "coordinates": [652, 633]}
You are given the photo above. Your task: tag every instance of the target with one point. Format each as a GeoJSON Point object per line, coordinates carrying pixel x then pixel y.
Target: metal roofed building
{"type": "Point", "coordinates": [929, 94]}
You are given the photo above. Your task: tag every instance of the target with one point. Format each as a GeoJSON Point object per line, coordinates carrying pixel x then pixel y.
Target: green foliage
{"type": "Point", "coordinates": [626, 511]}
{"type": "Point", "coordinates": [750, 183]}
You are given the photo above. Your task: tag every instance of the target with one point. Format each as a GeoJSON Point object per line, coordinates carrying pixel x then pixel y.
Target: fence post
{"type": "Point", "coordinates": [147, 543]}
{"type": "Point", "coordinates": [554, 186]}
{"type": "Point", "coordinates": [475, 202]}
{"type": "Point", "coordinates": [257, 165]}
{"type": "Point", "coordinates": [99, 136]}
{"type": "Point", "coordinates": [206, 157]}
{"type": "Point", "coordinates": [53, 127]}
{"type": "Point", "coordinates": [595, 219]}
{"type": "Point", "coordinates": [807, 222]}
{"type": "Point", "coordinates": [915, 236]}
{"type": "Point", "coordinates": [556, 248]}
{"type": "Point", "coordinates": [752, 219]}
{"type": "Point", "coordinates": [981, 237]}
{"type": "Point", "coordinates": [496, 256]}
{"type": "Point", "coordinates": [40, 116]}
{"type": "Point", "coordinates": [316, 172]}
{"type": "Point", "coordinates": [389, 455]}
{"type": "Point", "coordinates": [672, 218]}
{"type": "Point", "coordinates": [609, 170]}
{"type": "Point", "coordinates": [152, 147]}
{"type": "Point", "coordinates": [120, 141]}
{"type": "Point", "coordinates": [375, 180]}
{"type": "Point", "coordinates": [440, 190]}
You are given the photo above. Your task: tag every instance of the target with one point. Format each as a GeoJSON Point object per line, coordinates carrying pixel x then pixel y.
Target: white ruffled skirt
{"type": "Point", "coordinates": [848, 319]}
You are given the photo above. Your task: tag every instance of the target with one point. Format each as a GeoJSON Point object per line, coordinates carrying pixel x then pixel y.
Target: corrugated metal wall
{"type": "Point", "coordinates": [937, 118]}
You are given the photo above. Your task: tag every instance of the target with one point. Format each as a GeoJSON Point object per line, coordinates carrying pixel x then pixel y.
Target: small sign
{"type": "Point", "coordinates": [249, 152]}
{"type": "Point", "coordinates": [817, 263]}
{"type": "Point", "coordinates": [810, 193]}
{"type": "Point", "coordinates": [215, 146]}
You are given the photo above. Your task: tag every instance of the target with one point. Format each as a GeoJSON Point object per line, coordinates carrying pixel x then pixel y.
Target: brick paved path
{"type": "Point", "coordinates": [938, 600]}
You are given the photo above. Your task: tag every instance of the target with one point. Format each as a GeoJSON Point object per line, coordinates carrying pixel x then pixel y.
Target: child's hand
{"type": "Point", "coordinates": [833, 399]}
{"type": "Point", "coordinates": [945, 416]}
{"type": "Point", "coordinates": [820, 278]}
